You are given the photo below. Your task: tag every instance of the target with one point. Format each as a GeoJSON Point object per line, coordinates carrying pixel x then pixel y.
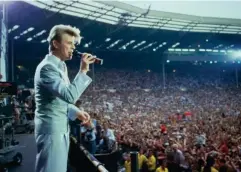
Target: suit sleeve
{"type": "Point", "coordinates": [52, 80]}
{"type": "Point", "coordinates": [72, 112]}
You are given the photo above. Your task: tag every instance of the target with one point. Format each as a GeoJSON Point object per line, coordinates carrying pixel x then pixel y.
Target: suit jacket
{"type": "Point", "coordinates": [54, 95]}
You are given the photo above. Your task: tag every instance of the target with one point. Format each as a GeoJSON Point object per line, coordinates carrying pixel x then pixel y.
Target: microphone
{"type": "Point", "coordinates": [97, 60]}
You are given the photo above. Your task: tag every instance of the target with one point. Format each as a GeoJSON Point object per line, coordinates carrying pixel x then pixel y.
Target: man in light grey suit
{"type": "Point", "coordinates": [55, 96]}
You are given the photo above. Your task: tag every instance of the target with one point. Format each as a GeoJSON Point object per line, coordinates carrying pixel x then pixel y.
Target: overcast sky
{"type": "Point", "coordinates": [225, 9]}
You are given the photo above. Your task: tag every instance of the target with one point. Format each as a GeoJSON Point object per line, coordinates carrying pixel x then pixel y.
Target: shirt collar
{"type": "Point", "coordinates": [54, 60]}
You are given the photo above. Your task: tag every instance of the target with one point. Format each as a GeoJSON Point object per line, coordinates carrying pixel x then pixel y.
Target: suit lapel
{"type": "Point", "coordinates": [60, 66]}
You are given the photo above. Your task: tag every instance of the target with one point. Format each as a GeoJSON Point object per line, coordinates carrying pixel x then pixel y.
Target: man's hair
{"type": "Point", "coordinates": [58, 30]}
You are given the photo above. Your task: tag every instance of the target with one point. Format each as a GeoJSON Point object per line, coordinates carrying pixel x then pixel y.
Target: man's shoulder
{"type": "Point", "coordinates": [45, 66]}
{"type": "Point", "coordinates": [179, 151]}
{"type": "Point", "coordinates": [45, 63]}
{"type": "Point", "coordinates": [49, 61]}
{"type": "Point", "coordinates": [41, 64]}
{"type": "Point", "coordinates": [214, 170]}
{"type": "Point", "coordinates": [158, 169]}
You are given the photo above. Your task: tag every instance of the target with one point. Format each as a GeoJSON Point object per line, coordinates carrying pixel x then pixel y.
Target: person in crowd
{"type": "Point", "coordinates": [128, 163]}
{"type": "Point", "coordinates": [141, 159]}
{"type": "Point", "coordinates": [209, 165]}
{"type": "Point", "coordinates": [162, 167]}
{"type": "Point", "coordinates": [151, 162]}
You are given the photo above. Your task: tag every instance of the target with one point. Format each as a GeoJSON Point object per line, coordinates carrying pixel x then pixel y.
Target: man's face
{"type": "Point", "coordinates": [150, 153]}
{"type": "Point", "coordinates": [65, 47]}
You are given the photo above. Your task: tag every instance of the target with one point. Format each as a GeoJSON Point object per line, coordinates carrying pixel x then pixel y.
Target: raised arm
{"type": "Point", "coordinates": [52, 80]}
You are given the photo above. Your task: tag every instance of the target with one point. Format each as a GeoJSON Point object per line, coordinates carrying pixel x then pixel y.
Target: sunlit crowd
{"type": "Point", "coordinates": [191, 124]}
{"type": "Point", "coordinates": [194, 124]}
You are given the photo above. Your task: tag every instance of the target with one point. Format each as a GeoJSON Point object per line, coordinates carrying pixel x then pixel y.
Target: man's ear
{"type": "Point", "coordinates": [55, 44]}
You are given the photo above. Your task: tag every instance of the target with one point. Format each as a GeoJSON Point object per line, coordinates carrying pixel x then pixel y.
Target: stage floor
{"type": "Point", "coordinates": [28, 149]}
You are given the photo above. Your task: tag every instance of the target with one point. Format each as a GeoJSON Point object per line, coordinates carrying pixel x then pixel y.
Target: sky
{"type": "Point", "coordinates": [223, 9]}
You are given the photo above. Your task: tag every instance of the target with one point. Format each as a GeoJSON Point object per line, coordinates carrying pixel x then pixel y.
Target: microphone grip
{"type": "Point", "coordinates": [97, 60]}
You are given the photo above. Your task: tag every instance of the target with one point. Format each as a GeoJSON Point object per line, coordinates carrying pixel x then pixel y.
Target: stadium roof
{"type": "Point", "coordinates": [201, 8]}
{"type": "Point", "coordinates": [117, 26]}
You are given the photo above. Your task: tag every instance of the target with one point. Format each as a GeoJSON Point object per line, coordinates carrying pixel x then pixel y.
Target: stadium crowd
{"type": "Point", "coordinates": [193, 124]}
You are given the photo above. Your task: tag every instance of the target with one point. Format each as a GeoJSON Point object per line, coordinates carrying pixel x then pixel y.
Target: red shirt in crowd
{"type": "Point", "coordinates": [163, 128]}
{"type": "Point", "coordinates": [224, 148]}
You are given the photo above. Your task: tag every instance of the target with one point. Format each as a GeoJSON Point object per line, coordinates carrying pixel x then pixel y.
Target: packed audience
{"type": "Point", "coordinates": [190, 123]}
{"type": "Point", "coordinates": [193, 124]}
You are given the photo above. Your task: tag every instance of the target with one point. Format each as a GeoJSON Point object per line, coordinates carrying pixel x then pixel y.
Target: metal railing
{"type": "Point", "coordinates": [99, 166]}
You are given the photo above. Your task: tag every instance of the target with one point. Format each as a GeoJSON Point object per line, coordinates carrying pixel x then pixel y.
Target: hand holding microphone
{"type": "Point", "coordinates": [86, 60]}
